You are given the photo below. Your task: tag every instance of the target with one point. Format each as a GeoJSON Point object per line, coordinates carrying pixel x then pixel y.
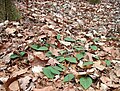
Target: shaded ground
{"type": "Point", "coordinates": [68, 30]}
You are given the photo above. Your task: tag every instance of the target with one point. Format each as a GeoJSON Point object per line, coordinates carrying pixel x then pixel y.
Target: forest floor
{"type": "Point", "coordinates": [61, 46]}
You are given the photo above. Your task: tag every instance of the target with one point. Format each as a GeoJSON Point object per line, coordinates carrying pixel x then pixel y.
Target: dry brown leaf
{"type": "Point", "coordinates": [14, 86]}
{"type": "Point", "coordinates": [106, 80]}
{"type": "Point", "coordinates": [89, 56]}
{"type": "Point", "coordinates": [20, 72]}
{"type": "Point", "coordinates": [40, 55]}
{"type": "Point", "coordinates": [26, 83]}
{"type": "Point", "coordinates": [65, 43]}
{"type": "Point", "coordinates": [10, 30]}
{"type": "Point", "coordinates": [98, 65]}
{"type": "Point", "coordinates": [103, 87]}
{"type": "Point", "coordinates": [49, 88]}
{"type": "Point", "coordinates": [54, 51]}
{"type": "Point", "coordinates": [39, 58]}
{"type": "Point", "coordinates": [52, 62]}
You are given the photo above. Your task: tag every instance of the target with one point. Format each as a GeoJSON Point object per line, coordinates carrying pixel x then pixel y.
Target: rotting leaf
{"type": "Point", "coordinates": [86, 82]}
{"type": "Point", "coordinates": [68, 78]}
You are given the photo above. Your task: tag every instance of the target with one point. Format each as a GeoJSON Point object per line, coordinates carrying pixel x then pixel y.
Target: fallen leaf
{"type": "Point", "coordinates": [49, 88]}
{"type": "Point", "coordinates": [37, 69]}
{"type": "Point", "coordinates": [65, 43]}
{"type": "Point", "coordinates": [52, 62]}
{"type": "Point", "coordinates": [106, 80]}
{"type": "Point", "coordinates": [10, 30]}
{"type": "Point", "coordinates": [14, 86]}
{"type": "Point", "coordinates": [54, 51]}
{"type": "Point", "coordinates": [98, 65]}
{"type": "Point", "coordinates": [26, 83]}
{"type": "Point", "coordinates": [40, 55]}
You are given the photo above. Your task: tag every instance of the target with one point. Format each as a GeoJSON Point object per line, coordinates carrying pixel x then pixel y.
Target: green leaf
{"type": "Point", "coordinates": [38, 48]}
{"type": "Point", "coordinates": [96, 40]}
{"type": "Point", "coordinates": [58, 68]}
{"type": "Point", "coordinates": [93, 47]}
{"type": "Point", "coordinates": [94, 1]}
{"type": "Point", "coordinates": [68, 78]}
{"type": "Point", "coordinates": [68, 39]}
{"type": "Point", "coordinates": [14, 56]}
{"type": "Point", "coordinates": [71, 59]}
{"type": "Point", "coordinates": [85, 82]}
{"type": "Point", "coordinates": [78, 48]}
{"type": "Point", "coordinates": [58, 37]}
{"type": "Point", "coordinates": [48, 72]}
{"type": "Point", "coordinates": [60, 59]}
{"type": "Point", "coordinates": [35, 47]}
{"type": "Point", "coordinates": [63, 67]}
{"type": "Point", "coordinates": [49, 54]}
{"type": "Point", "coordinates": [80, 55]}
{"type": "Point", "coordinates": [54, 71]}
{"type": "Point", "coordinates": [43, 48]}
{"type": "Point", "coordinates": [22, 54]}
{"type": "Point", "coordinates": [87, 63]}
{"type": "Point", "coordinates": [96, 57]}
{"type": "Point", "coordinates": [62, 52]}
{"type": "Point", "coordinates": [108, 63]}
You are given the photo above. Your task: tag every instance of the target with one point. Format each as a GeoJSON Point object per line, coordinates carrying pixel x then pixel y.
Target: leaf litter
{"type": "Point", "coordinates": [61, 45]}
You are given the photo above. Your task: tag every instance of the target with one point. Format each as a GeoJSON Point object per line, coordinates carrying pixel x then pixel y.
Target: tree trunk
{"type": "Point", "coordinates": [8, 10]}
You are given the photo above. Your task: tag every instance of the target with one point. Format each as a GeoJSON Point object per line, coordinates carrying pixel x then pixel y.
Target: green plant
{"type": "Point", "coordinates": [94, 1]}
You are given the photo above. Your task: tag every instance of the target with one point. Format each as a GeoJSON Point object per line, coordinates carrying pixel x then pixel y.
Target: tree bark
{"type": "Point", "coordinates": [8, 10]}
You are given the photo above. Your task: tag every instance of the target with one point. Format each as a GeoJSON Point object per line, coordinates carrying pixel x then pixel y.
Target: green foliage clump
{"type": "Point", "coordinates": [94, 1]}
